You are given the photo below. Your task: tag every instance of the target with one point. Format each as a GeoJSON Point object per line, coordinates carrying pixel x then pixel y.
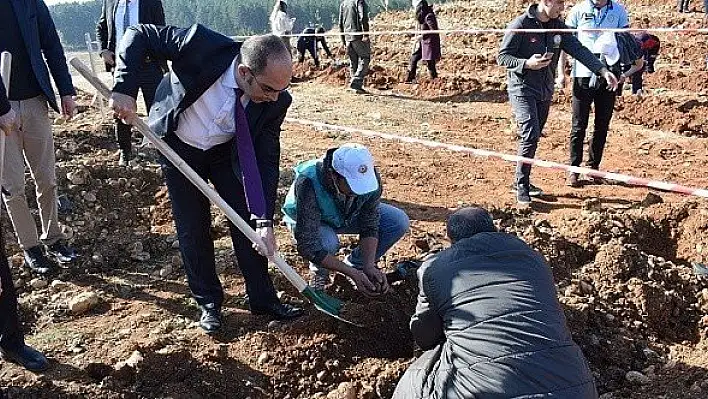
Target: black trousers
{"type": "Point", "coordinates": [583, 99]}
{"type": "Point", "coordinates": [11, 335]}
{"type": "Point", "coordinates": [416, 56]}
{"type": "Point", "coordinates": [307, 46]}
{"type": "Point", "coordinates": [683, 5]}
{"type": "Point", "coordinates": [191, 212]}
{"type": "Point", "coordinates": [149, 78]}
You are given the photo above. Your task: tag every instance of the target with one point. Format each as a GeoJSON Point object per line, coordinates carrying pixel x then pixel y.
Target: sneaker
{"type": "Point", "coordinates": [533, 190]}
{"type": "Point", "coordinates": [403, 270]}
{"type": "Point", "coordinates": [319, 281]}
{"type": "Point", "coordinates": [523, 198]}
{"type": "Point", "coordinates": [37, 261]}
{"type": "Point", "coordinates": [406, 268]}
{"type": "Point", "coordinates": [61, 252]}
{"type": "Point", "coordinates": [573, 180]}
{"type": "Point", "coordinates": [594, 180]}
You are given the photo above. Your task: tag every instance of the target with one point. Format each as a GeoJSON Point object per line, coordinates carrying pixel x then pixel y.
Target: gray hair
{"type": "Point", "coordinates": [466, 222]}
{"type": "Point", "coordinates": [257, 50]}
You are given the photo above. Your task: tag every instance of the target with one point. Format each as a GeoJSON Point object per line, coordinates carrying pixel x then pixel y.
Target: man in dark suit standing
{"type": "Point", "coordinates": [12, 342]}
{"type": "Point", "coordinates": [221, 109]}
{"type": "Point", "coordinates": [116, 17]}
{"type": "Point", "coordinates": [28, 33]}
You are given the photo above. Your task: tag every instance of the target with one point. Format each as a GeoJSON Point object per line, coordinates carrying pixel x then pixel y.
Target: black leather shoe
{"type": "Point", "coordinates": [279, 311]}
{"type": "Point", "coordinates": [210, 321]}
{"type": "Point", "coordinates": [26, 357]}
{"type": "Point", "coordinates": [37, 261]}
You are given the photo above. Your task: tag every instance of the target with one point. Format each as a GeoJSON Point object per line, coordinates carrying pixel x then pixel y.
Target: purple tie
{"type": "Point", "coordinates": [251, 176]}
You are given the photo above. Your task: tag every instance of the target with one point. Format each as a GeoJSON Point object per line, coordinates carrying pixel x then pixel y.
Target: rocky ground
{"type": "Point", "coordinates": [120, 321]}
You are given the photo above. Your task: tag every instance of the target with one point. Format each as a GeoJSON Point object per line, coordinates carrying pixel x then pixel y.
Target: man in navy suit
{"type": "Point", "coordinates": [199, 112]}
{"type": "Point", "coordinates": [28, 33]}
{"type": "Point", "coordinates": [116, 17]}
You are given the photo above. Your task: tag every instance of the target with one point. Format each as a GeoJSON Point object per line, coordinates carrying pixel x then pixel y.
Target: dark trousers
{"type": "Point", "coordinates": [191, 212]}
{"type": "Point", "coordinates": [149, 78]}
{"type": "Point", "coordinates": [309, 46]}
{"type": "Point", "coordinates": [637, 79]}
{"type": "Point", "coordinates": [683, 5]}
{"type": "Point", "coordinates": [11, 335]}
{"type": "Point", "coordinates": [416, 56]}
{"type": "Point", "coordinates": [583, 99]}
{"type": "Point", "coordinates": [531, 115]}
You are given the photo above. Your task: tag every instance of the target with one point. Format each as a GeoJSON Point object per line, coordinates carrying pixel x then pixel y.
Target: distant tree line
{"type": "Point", "coordinates": [230, 17]}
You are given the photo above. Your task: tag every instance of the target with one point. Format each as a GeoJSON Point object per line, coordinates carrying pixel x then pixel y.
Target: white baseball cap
{"type": "Point", "coordinates": [355, 163]}
{"type": "Point", "coordinates": [606, 45]}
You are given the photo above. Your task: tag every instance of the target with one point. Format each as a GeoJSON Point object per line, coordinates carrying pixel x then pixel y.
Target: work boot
{"type": "Point", "coordinates": [37, 261]}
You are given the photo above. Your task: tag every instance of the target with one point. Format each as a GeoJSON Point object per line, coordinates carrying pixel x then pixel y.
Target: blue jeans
{"type": "Point", "coordinates": [393, 224]}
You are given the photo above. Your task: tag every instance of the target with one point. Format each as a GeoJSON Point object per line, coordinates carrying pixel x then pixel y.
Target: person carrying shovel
{"type": "Point", "coordinates": [220, 109]}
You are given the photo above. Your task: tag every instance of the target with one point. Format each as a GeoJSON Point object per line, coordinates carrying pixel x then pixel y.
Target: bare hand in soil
{"type": "Point", "coordinates": [536, 62]}
{"type": "Point", "coordinates": [378, 278]}
{"type": "Point", "coordinates": [123, 106]}
{"type": "Point", "coordinates": [268, 238]}
{"type": "Point", "coordinates": [363, 284]}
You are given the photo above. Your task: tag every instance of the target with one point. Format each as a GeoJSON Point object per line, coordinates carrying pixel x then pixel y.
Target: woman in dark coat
{"type": "Point", "coordinates": [426, 48]}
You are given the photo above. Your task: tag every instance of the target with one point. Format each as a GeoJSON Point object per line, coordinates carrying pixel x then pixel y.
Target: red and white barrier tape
{"type": "Point", "coordinates": [475, 31]}
{"type": "Point", "coordinates": [635, 181]}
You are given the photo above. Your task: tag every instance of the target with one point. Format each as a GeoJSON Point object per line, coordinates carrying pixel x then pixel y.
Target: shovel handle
{"type": "Point", "coordinates": [193, 177]}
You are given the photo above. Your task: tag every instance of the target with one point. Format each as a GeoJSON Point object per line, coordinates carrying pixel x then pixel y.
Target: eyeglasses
{"type": "Point", "coordinates": [267, 89]}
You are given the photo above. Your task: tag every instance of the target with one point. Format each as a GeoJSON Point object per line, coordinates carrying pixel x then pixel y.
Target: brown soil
{"type": "Point", "coordinates": [622, 258]}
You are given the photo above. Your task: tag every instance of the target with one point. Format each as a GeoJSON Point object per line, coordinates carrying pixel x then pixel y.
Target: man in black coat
{"type": "Point", "coordinates": [196, 111]}
{"type": "Point", "coordinates": [490, 322]}
{"type": "Point", "coordinates": [116, 17]}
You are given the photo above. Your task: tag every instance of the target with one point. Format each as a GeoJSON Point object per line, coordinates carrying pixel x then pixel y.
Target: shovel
{"type": "Point", "coordinates": [322, 301]}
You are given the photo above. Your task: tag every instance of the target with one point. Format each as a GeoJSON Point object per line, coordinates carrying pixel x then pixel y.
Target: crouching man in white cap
{"type": "Point", "coordinates": [341, 194]}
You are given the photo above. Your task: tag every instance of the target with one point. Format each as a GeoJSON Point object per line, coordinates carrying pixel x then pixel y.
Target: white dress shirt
{"type": "Point", "coordinates": [210, 120]}
{"type": "Point", "coordinates": [134, 12]}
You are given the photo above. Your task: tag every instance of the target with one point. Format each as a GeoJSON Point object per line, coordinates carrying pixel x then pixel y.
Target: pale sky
{"type": "Point", "coordinates": [52, 2]}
